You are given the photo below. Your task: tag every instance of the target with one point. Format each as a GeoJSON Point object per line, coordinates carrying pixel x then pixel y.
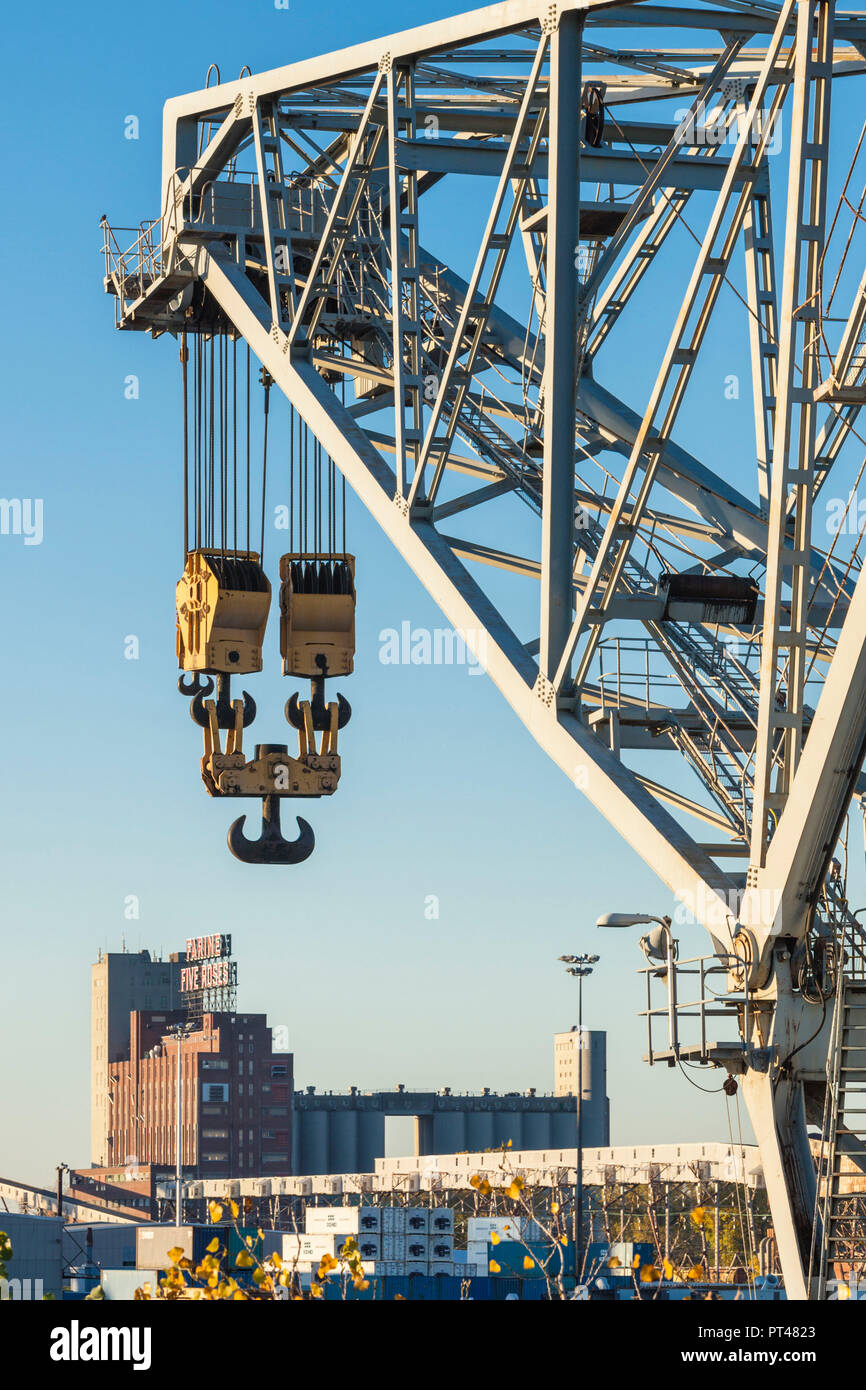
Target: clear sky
{"type": "Point", "coordinates": [443, 791]}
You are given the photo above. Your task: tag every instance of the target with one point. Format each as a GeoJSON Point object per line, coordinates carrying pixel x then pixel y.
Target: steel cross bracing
{"type": "Point", "coordinates": [681, 599]}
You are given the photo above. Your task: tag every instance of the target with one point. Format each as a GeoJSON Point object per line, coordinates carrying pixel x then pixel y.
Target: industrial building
{"type": "Point", "coordinates": [240, 1114]}
{"type": "Point", "coordinates": [121, 983]}
{"type": "Point", "coordinates": [342, 1133]}
{"type": "Point", "coordinates": [155, 1021]}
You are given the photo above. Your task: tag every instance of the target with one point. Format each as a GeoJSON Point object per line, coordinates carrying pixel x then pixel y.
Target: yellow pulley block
{"type": "Point", "coordinates": [223, 601]}
{"type": "Point", "coordinates": [317, 614]}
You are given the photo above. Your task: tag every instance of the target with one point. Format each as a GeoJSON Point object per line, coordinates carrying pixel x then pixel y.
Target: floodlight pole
{"type": "Point", "coordinates": [578, 1202]}
{"type": "Point", "coordinates": [579, 966]}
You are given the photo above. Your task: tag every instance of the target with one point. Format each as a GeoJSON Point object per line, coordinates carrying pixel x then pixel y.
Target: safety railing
{"type": "Point", "coordinates": [694, 1042]}
{"type": "Point", "coordinates": [130, 272]}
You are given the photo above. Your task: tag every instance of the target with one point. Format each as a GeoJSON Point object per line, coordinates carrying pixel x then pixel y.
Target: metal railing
{"type": "Point", "coordinates": [132, 271]}
{"type": "Point", "coordinates": [703, 1007]}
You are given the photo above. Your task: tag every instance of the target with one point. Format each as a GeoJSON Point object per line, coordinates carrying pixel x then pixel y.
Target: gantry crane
{"type": "Point", "coordinates": [683, 609]}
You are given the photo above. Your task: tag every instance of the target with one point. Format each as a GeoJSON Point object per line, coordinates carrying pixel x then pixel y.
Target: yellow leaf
{"type": "Point", "coordinates": [613, 1262]}
{"type": "Point", "coordinates": [635, 1264]}
{"type": "Point", "coordinates": [698, 1216]}
{"type": "Point", "coordinates": [494, 1238]}
{"type": "Point", "coordinates": [696, 1272]}
{"type": "Point", "coordinates": [235, 1210]}
{"type": "Point", "coordinates": [668, 1269]}
{"type": "Point", "coordinates": [528, 1262]}
{"type": "Point", "coordinates": [554, 1207]}
{"type": "Point", "coordinates": [475, 1180]}
{"type": "Point", "coordinates": [362, 1284]}
{"type": "Point", "coordinates": [215, 1211]}
{"type": "Point", "coordinates": [175, 1254]}
{"type": "Point", "coordinates": [649, 1274]}
{"type": "Point", "coordinates": [316, 1290]}
{"type": "Point", "coordinates": [563, 1240]}
{"type": "Point", "coordinates": [843, 1291]}
{"type": "Point", "coordinates": [276, 1260]}
{"type": "Point", "coordinates": [495, 1268]}
{"type": "Point", "coordinates": [214, 1246]}
{"type": "Point", "coordinates": [244, 1260]}
{"type": "Point", "coordinates": [509, 1143]}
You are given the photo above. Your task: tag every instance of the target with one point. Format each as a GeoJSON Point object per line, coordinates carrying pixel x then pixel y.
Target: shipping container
{"type": "Point", "coordinates": [154, 1242]}
{"type": "Point", "coordinates": [480, 1228]}
{"type": "Point", "coordinates": [417, 1221]}
{"type": "Point", "coordinates": [416, 1248]}
{"type": "Point", "coordinates": [393, 1220]}
{"type": "Point", "coordinates": [441, 1221]}
{"type": "Point", "coordinates": [343, 1220]}
{"type": "Point", "coordinates": [35, 1268]}
{"type": "Point", "coordinates": [440, 1248]}
{"type": "Point", "coordinates": [303, 1248]}
{"type": "Point", "coordinates": [119, 1285]}
{"type": "Point", "coordinates": [244, 1238]}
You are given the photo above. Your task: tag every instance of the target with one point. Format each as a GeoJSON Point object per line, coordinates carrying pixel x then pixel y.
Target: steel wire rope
{"type": "Point", "coordinates": [184, 355]}
{"type": "Point", "coordinates": [749, 1224]}
{"type": "Point", "coordinates": [740, 1216]}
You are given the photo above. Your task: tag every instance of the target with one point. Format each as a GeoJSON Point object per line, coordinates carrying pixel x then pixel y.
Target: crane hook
{"type": "Point", "coordinates": [271, 848]}
{"type": "Point", "coordinates": [225, 713]}
{"type": "Point", "coordinates": [318, 708]}
{"type": "Point", "coordinates": [195, 686]}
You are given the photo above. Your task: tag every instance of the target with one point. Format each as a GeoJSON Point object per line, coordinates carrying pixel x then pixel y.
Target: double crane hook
{"type": "Point", "coordinates": [195, 686]}
{"type": "Point", "coordinates": [318, 708]}
{"type": "Point", "coordinates": [224, 705]}
{"type": "Point", "coordinates": [271, 847]}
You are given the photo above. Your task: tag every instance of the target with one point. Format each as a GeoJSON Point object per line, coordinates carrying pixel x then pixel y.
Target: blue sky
{"type": "Point", "coordinates": [443, 792]}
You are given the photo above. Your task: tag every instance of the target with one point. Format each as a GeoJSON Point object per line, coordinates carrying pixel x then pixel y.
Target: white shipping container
{"type": "Point", "coordinates": [368, 1267]}
{"type": "Point", "coordinates": [369, 1246]}
{"type": "Point", "coordinates": [441, 1221]}
{"type": "Point", "coordinates": [441, 1267]}
{"type": "Point", "coordinates": [440, 1248]}
{"type": "Point", "coordinates": [416, 1247]}
{"type": "Point", "coordinates": [393, 1246]}
{"type": "Point", "coordinates": [343, 1220]}
{"type": "Point", "coordinates": [339, 1220]}
{"type": "Point", "coordinates": [417, 1221]}
{"type": "Point", "coordinates": [414, 1267]}
{"type": "Point", "coordinates": [476, 1252]}
{"type": "Point", "coordinates": [304, 1248]}
{"type": "Point", "coordinates": [328, 1184]}
{"type": "Point", "coordinates": [480, 1228]}
{"type": "Point", "coordinates": [393, 1220]}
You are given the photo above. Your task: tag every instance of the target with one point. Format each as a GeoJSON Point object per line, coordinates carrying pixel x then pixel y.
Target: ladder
{"type": "Point", "coordinates": [842, 1235]}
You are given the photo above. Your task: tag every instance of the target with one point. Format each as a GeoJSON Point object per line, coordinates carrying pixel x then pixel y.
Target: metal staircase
{"type": "Point", "coordinates": [841, 1239]}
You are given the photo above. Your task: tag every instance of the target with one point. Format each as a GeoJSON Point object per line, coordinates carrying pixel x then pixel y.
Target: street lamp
{"type": "Point", "coordinates": [628, 919]}
{"type": "Point", "coordinates": [179, 1030]}
{"type": "Point", "coordinates": [658, 946]}
{"type": "Point", "coordinates": [580, 967]}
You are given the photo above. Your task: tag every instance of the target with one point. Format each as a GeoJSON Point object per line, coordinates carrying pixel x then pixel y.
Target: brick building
{"type": "Point", "coordinates": [236, 1096]}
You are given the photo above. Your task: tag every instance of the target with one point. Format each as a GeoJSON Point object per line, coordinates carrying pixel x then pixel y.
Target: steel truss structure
{"type": "Point", "coordinates": [680, 609]}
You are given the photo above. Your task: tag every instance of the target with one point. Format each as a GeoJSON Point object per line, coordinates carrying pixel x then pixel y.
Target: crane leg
{"type": "Point", "coordinates": [777, 1112]}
